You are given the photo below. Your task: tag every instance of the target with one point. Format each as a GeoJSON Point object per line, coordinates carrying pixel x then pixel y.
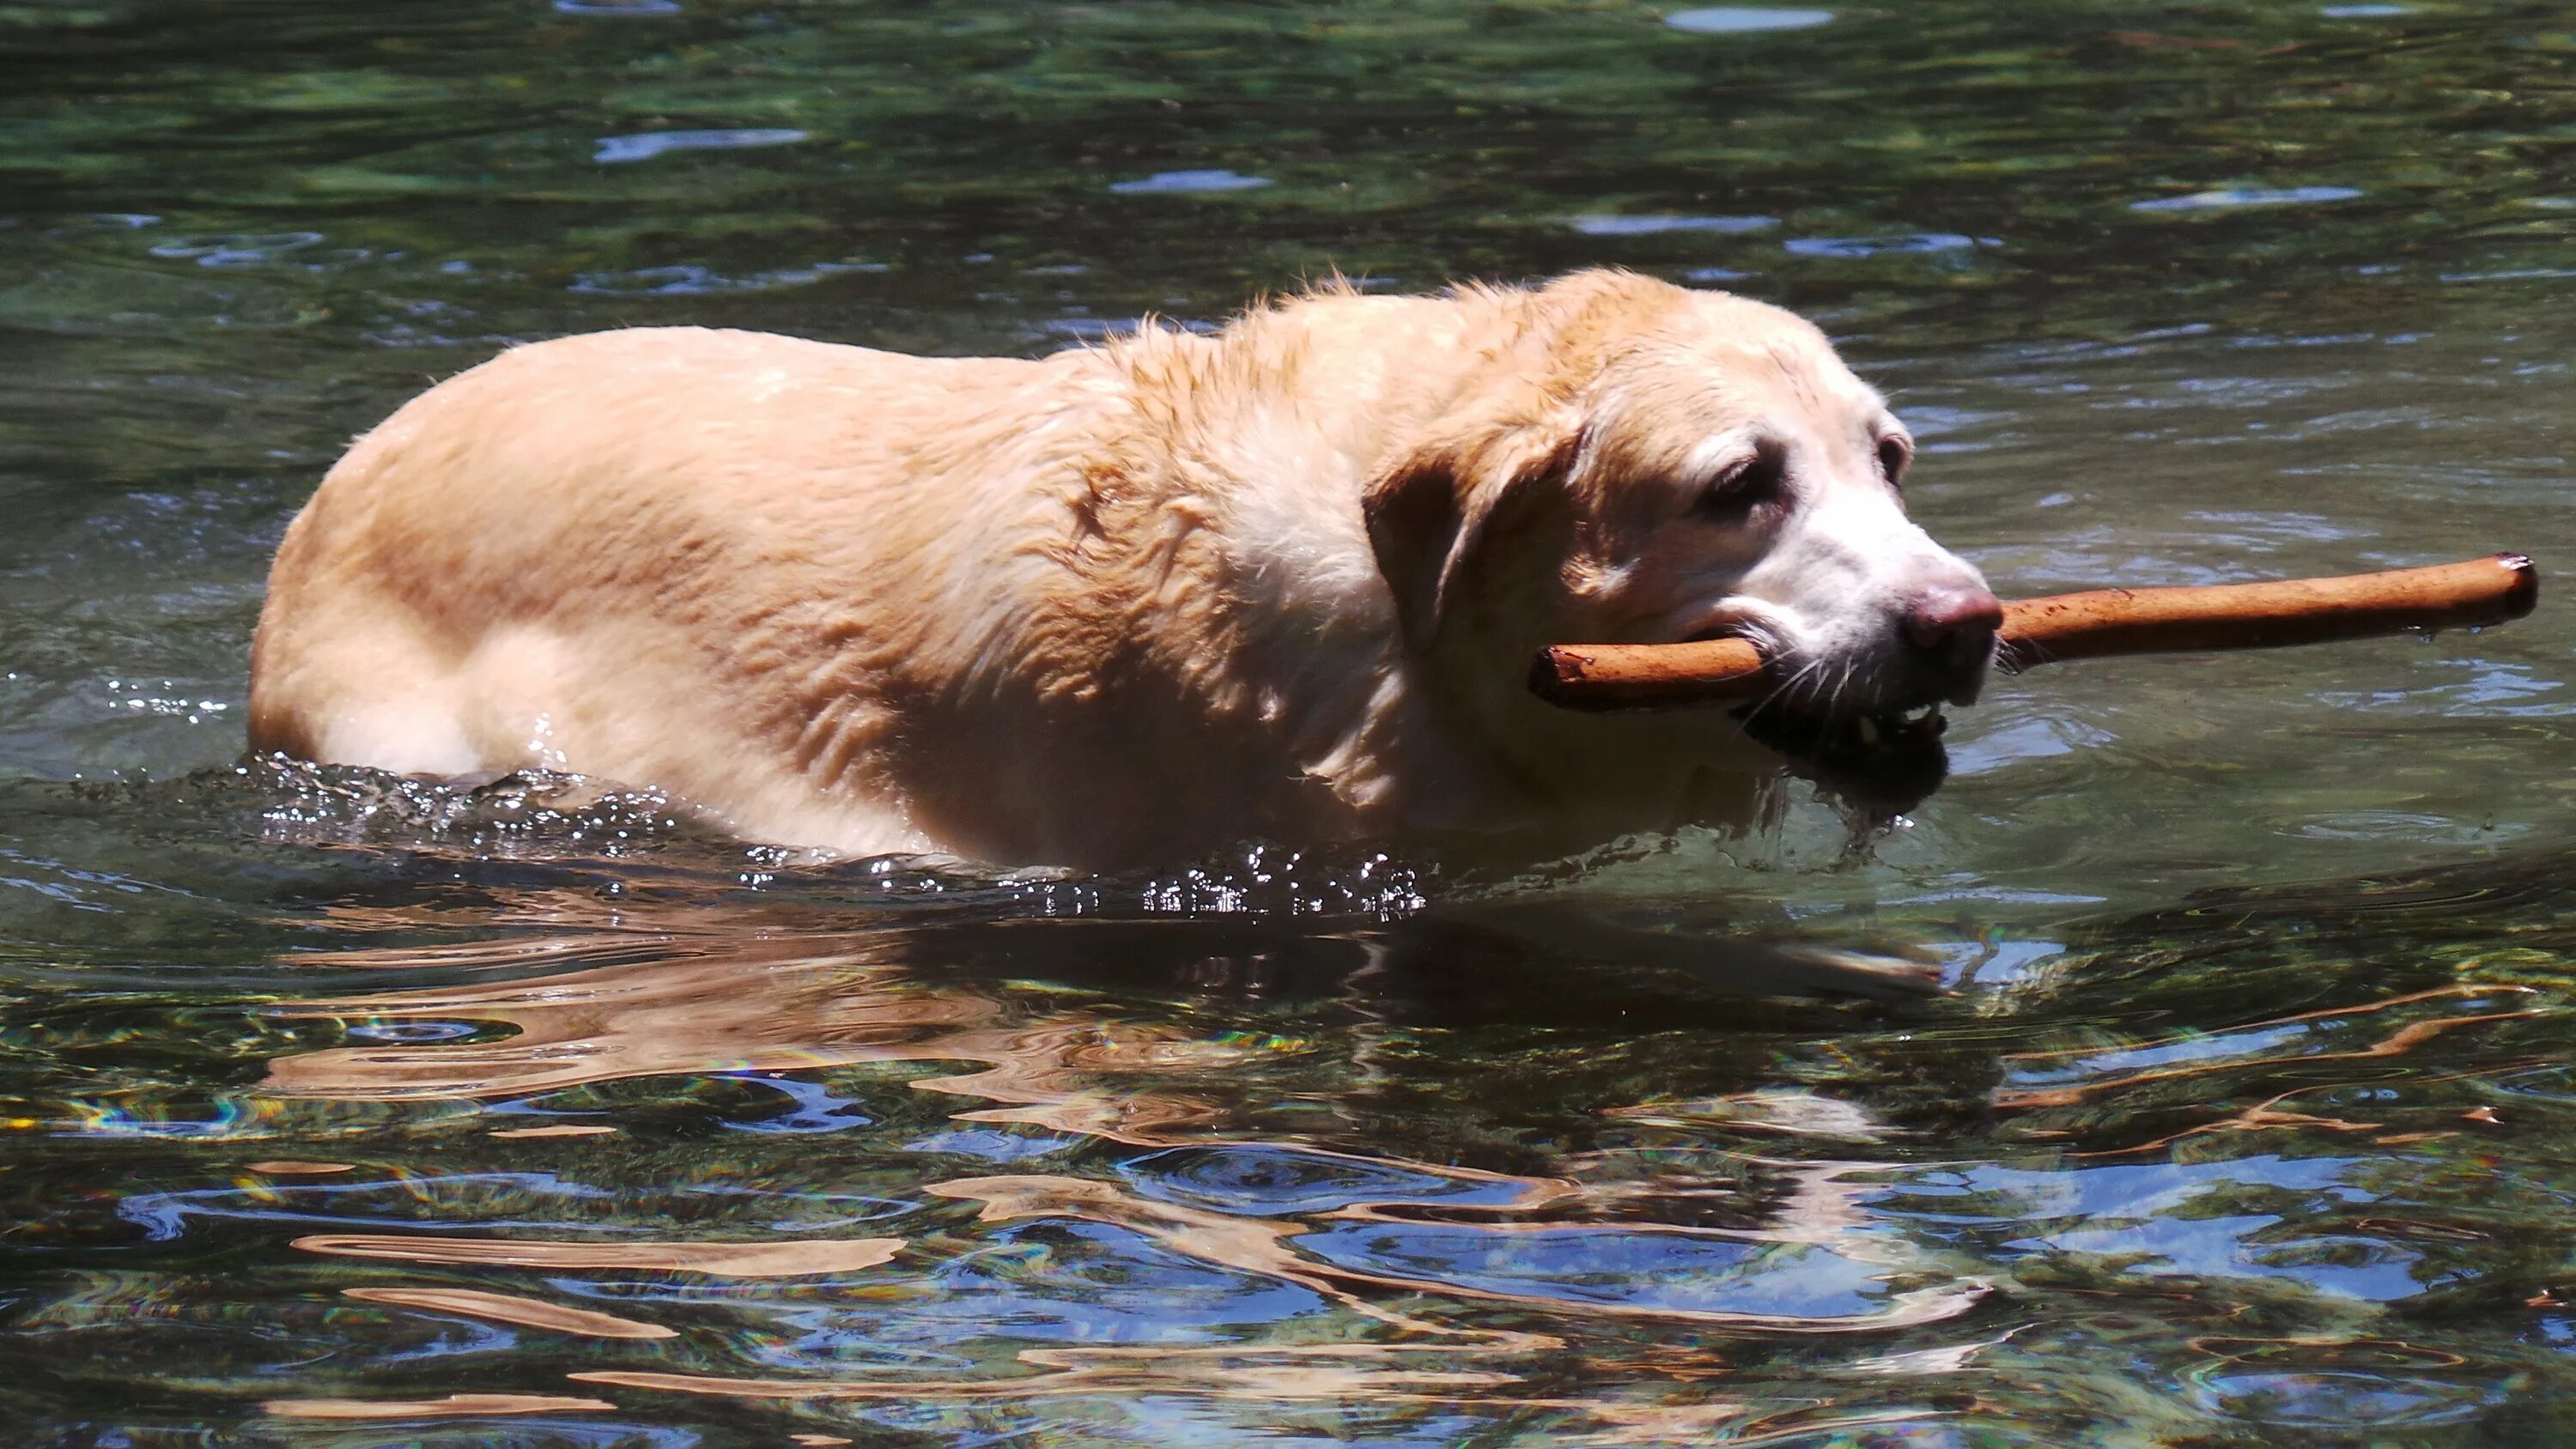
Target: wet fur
{"type": "Point", "coordinates": [1118, 605]}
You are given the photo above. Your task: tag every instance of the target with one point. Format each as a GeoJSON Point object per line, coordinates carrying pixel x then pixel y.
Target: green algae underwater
{"type": "Point", "coordinates": [343, 1110]}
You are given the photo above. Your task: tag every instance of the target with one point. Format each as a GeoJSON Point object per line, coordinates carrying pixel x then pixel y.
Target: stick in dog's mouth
{"type": "Point", "coordinates": [1888, 757]}
{"type": "Point", "coordinates": [1732, 668]}
{"type": "Point", "coordinates": [1893, 757]}
{"type": "Point", "coordinates": [1790, 708]}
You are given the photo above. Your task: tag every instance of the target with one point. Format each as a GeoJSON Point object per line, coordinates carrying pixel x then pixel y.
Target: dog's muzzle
{"type": "Point", "coordinates": [1949, 632]}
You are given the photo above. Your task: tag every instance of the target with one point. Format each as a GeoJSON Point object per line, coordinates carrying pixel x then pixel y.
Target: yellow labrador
{"type": "Point", "coordinates": [1125, 603]}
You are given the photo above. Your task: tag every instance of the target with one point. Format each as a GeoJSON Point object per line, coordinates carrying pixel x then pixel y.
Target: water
{"type": "Point", "coordinates": [327, 1099]}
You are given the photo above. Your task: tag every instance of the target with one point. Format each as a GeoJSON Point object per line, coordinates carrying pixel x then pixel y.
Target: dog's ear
{"type": "Point", "coordinates": [1433, 509]}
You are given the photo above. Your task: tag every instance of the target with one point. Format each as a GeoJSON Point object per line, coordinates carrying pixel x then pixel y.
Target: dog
{"type": "Point", "coordinates": [1130, 603]}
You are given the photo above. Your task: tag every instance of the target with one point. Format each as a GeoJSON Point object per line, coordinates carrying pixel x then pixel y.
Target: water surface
{"type": "Point", "coordinates": [343, 1111]}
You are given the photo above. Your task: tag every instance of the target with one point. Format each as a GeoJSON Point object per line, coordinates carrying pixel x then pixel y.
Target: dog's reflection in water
{"type": "Point", "coordinates": [1421, 1253]}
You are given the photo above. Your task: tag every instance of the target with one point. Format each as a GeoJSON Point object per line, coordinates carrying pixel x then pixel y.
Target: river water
{"type": "Point", "coordinates": [326, 1099]}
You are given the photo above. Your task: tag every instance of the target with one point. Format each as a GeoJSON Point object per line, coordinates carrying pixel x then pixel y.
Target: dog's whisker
{"type": "Point", "coordinates": [1772, 694]}
{"type": "Point", "coordinates": [1782, 690]}
{"type": "Point", "coordinates": [2012, 656]}
{"type": "Point", "coordinates": [1801, 684]}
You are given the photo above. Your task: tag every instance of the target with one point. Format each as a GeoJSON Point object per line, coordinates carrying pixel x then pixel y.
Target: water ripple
{"type": "Point", "coordinates": [644, 146]}
{"type": "Point", "coordinates": [2237, 197]}
{"type": "Point", "coordinates": [1164, 182]}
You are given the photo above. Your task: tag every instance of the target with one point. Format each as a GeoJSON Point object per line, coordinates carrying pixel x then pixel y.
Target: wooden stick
{"type": "Point", "coordinates": [2085, 626]}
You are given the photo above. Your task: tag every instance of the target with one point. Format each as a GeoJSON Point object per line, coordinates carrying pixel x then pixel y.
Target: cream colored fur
{"type": "Point", "coordinates": [1119, 605]}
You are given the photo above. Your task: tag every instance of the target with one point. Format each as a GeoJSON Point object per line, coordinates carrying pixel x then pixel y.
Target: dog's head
{"type": "Point", "coordinates": [1638, 462]}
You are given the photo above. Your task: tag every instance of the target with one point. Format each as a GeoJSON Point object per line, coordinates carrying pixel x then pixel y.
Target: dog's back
{"type": "Point", "coordinates": [580, 554]}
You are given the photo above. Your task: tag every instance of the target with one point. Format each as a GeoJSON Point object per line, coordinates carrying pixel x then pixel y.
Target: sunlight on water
{"type": "Point", "coordinates": [2190, 1069]}
{"type": "Point", "coordinates": [1731, 20]}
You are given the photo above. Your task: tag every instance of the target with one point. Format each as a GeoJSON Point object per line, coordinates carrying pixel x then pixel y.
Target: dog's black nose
{"type": "Point", "coordinates": [1956, 626]}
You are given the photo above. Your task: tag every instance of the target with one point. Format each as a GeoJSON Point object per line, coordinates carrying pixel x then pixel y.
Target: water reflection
{"type": "Point", "coordinates": [453, 1406]}
{"type": "Point", "coordinates": [865, 1167]}
{"type": "Point", "coordinates": [524, 1312]}
{"type": "Point", "coordinates": [1272, 1233]}
{"type": "Point", "coordinates": [805, 1258]}
{"type": "Point", "coordinates": [1201, 1219]}
{"type": "Point", "coordinates": [614, 150]}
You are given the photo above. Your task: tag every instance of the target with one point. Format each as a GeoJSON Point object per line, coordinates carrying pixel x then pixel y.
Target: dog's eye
{"type": "Point", "coordinates": [1893, 455]}
{"type": "Point", "coordinates": [1744, 486]}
